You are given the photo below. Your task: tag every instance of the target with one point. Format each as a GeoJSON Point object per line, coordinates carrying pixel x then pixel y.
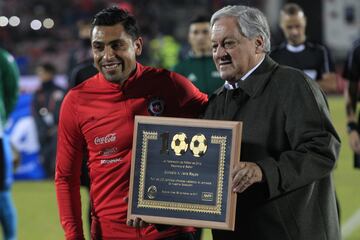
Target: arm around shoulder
{"type": "Point", "coordinates": [189, 98]}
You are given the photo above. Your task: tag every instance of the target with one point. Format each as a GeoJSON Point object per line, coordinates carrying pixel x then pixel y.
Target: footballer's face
{"type": "Point", "coordinates": [115, 52]}
{"type": "Point", "coordinates": [293, 27]}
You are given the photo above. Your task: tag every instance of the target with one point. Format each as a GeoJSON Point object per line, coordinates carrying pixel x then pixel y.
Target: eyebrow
{"type": "Point", "coordinates": [111, 42]}
{"type": "Point", "coordinates": [224, 39]}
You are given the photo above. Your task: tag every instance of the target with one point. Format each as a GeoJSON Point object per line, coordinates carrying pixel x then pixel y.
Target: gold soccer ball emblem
{"type": "Point", "coordinates": [179, 144]}
{"type": "Point", "coordinates": [198, 145]}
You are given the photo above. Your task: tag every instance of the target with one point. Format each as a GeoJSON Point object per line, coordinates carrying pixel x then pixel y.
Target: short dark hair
{"type": "Point", "coordinates": [48, 67]}
{"type": "Point", "coordinates": [113, 15]}
{"type": "Point", "coordinates": [200, 19]}
{"type": "Point", "coordinates": [292, 9]}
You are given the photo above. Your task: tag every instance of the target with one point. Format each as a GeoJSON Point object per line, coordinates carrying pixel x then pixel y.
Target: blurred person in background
{"type": "Point", "coordinates": [9, 88]}
{"type": "Point", "coordinates": [289, 146]}
{"type": "Point", "coordinates": [81, 64]}
{"type": "Point", "coordinates": [352, 74]}
{"type": "Point", "coordinates": [81, 71]}
{"type": "Point", "coordinates": [199, 67]}
{"type": "Point", "coordinates": [99, 114]}
{"type": "Point", "coordinates": [314, 59]}
{"type": "Point", "coordinates": [45, 109]}
{"type": "Point", "coordinates": [164, 51]}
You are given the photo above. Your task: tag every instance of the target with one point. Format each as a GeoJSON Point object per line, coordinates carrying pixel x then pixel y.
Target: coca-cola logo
{"type": "Point", "coordinates": [111, 137]}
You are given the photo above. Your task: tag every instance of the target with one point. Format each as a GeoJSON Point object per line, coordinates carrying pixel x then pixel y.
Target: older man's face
{"type": "Point", "coordinates": [234, 55]}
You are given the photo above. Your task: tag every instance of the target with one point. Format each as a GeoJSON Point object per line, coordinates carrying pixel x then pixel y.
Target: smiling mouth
{"type": "Point", "coordinates": [111, 66]}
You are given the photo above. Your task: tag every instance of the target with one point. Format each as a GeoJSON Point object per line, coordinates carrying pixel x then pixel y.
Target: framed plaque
{"type": "Point", "coordinates": [181, 171]}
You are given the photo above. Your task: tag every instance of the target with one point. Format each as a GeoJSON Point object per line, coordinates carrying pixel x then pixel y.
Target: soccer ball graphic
{"type": "Point", "coordinates": [179, 144]}
{"type": "Point", "coordinates": [198, 145]}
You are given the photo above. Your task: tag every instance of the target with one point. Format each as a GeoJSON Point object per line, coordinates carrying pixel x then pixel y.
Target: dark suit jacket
{"type": "Point", "coordinates": [287, 131]}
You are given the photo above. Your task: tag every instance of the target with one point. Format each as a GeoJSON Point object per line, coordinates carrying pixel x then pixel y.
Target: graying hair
{"type": "Point", "coordinates": [251, 21]}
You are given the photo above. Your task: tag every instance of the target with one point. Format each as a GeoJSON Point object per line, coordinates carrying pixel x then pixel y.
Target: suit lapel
{"type": "Point", "coordinates": [229, 104]}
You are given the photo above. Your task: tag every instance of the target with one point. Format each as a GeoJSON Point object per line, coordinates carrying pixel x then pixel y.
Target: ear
{"type": "Point", "coordinates": [281, 21]}
{"type": "Point", "coordinates": [259, 44]}
{"type": "Point", "coordinates": [138, 43]}
{"type": "Point", "coordinates": [282, 27]}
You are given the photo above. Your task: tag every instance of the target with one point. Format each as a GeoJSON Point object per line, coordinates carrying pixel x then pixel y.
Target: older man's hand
{"type": "Point", "coordinates": [244, 175]}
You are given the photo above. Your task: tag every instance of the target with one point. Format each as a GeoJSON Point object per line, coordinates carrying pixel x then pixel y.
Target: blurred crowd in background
{"type": "Point", "coordinates": [163, 25]}
{"type": "Point", "coordinates": [63, 41]}
{"type": "Point", "coordinates": [49, 39]}
{"type": "Point", "coordinates": [56, 35]}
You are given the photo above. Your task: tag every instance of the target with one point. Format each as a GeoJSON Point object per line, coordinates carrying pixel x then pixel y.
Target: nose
{"type": "Point", "coordinates": [202, 36]}
{"type": "Point", "coordinates": [220, 52]}
{"type": "Point", "coordinates": [108, 53]}
{"type": "Point", "coordinates": [294, 31]}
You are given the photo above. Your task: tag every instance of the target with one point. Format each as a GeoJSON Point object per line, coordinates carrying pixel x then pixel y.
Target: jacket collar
{"type": "Point", "coordinates": [256, 82]}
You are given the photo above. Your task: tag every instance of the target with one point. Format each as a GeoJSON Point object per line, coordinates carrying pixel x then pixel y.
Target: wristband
{"type": "Point", "coordinates": [351, 126]}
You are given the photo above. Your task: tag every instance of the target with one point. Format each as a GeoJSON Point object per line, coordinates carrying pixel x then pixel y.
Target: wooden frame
{"type": "Point", "coordinates": [185, 183]}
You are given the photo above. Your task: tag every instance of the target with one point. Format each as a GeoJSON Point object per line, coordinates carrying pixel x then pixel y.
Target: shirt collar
{"type": "Point", "coordinates": [257, 81]}
{"type": "Point", "coordinates": [295, 49]}
{"type": "Point", "coordinates": [230, 86]}
{"type": "Point", "coordinates": [235, 85]}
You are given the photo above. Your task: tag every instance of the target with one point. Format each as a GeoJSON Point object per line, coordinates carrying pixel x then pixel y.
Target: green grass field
{"type": "Point", "coordinates": [38, 216]}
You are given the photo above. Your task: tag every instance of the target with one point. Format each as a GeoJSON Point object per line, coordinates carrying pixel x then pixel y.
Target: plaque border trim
{"type": "Point", "coordinates": [229, 223]}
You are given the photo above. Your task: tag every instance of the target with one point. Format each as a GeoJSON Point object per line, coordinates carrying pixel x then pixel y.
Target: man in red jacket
{"type": "Point", "coordinates": [99, 114]}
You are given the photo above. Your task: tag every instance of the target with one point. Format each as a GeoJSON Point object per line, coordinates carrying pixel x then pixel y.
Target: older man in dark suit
{"type": "Point", "coordinates": [289, 147]}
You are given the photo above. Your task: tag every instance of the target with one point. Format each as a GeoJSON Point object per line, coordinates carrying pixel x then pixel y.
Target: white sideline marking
{"type": "Point", "coordinates": [351, 224]}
